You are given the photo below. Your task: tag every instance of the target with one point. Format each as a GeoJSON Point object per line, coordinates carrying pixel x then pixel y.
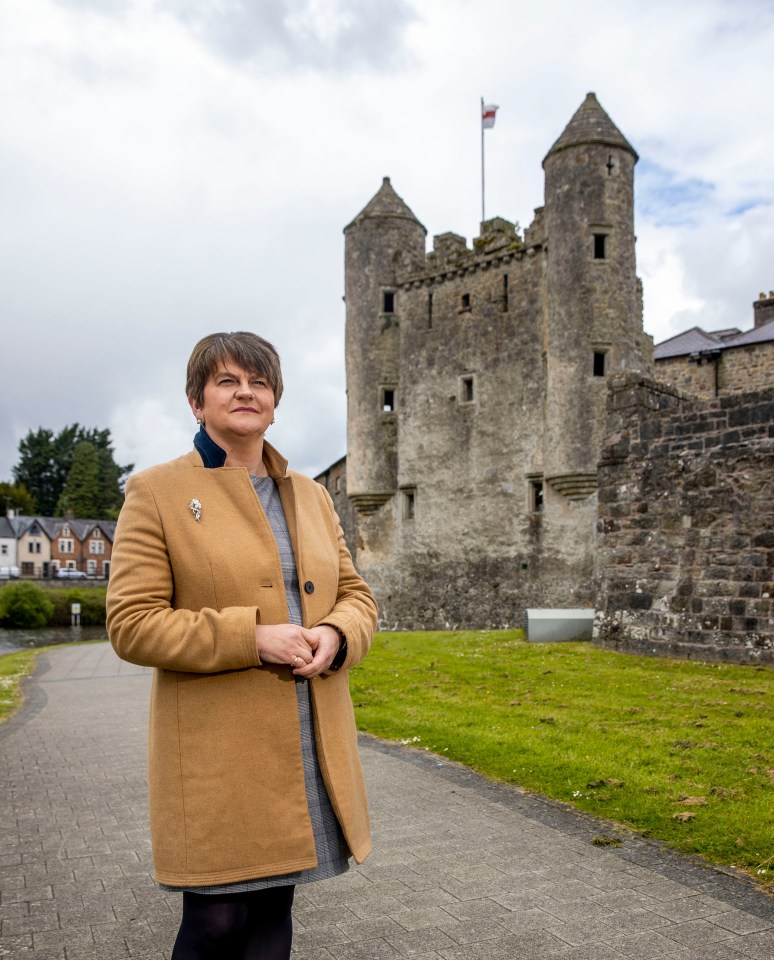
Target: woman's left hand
{"type": "Point", "coordinates": [328, 640]}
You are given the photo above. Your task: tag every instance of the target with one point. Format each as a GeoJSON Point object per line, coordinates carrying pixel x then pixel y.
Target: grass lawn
{"type": "Point", "coordinates": [680, 751]}
{"type": "Point", "coordinates": [13, 668]}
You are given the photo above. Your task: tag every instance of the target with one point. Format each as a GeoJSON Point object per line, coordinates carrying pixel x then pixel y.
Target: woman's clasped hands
{"type": "Point", "coordinates": [307, 651]}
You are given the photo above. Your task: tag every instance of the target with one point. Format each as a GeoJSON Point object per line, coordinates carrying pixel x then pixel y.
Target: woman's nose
{"type": "Point", "coordinates": [244, 389]}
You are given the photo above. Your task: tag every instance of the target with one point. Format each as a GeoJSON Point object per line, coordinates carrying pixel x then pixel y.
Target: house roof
{"type": "Point", "coordinates": [21, 524]}
{"type": "Point", "coordinates": [697, 340]}
{"type": "Point", "coordinates": [762, 334]}
{"type": "Point", "coordinates": [52, 526]}
{"type": "Point", "coordinates": [6, 530]}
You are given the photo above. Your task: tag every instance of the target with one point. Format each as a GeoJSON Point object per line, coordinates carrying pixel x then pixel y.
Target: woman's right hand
{"type": "Point", "coordinates": [282, 642]}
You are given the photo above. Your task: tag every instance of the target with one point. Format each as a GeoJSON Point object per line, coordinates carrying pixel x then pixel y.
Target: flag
{"type": "Point", "coordinates": [488, 112]}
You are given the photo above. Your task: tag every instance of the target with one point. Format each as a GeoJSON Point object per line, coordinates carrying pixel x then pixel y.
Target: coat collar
{"type": "Point", "coordinates": [213, 456]}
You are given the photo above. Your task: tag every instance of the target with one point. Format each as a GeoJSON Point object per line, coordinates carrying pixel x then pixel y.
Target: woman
{"type": "Point", "coordinates": [230, 576]}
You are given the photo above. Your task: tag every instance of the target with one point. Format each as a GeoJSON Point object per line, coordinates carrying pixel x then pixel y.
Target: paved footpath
{"type": "Point", "coordinates": [462, 869]}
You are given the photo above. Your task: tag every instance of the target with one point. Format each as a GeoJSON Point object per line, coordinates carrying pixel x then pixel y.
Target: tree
{"type": "Point", "coordinates": [82, 489]}
{"type": "Point", "coordinates": [45, 461]}
{"type": "Point", "coordinates": [16, 497]}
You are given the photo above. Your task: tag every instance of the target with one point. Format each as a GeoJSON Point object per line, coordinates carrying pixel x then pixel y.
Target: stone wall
{"type": "Point", "coordinates": [737, 370]}
{"type": "Point", "coordinates": [686, 524]}
{"type": "Point", "coordinates": [334, 479]}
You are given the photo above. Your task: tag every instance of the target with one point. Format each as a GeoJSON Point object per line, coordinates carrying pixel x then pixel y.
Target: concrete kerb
{"type": "Point", "coordinates": [462, 867]}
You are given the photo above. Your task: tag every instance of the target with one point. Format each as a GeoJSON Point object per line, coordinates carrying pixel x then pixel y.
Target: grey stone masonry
{"type": "Point", "coordinates": [462, 868]}
{"type": "Point", "coordinates": [686, 524]}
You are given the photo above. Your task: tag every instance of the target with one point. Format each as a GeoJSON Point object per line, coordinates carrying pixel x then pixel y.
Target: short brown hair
{"type": "Point", "coordinates": [247, 350]}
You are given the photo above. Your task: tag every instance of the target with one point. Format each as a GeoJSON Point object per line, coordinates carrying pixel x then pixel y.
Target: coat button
{"type": "Point", "coordinates": [309, 586]}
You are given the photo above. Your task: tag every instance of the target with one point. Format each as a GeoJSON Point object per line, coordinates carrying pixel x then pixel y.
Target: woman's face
{"type": "Point", "coordinates": [236, 404]}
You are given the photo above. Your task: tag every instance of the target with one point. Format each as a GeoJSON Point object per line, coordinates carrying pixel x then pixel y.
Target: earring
{"type": "Point", "coordinates": [200, 421]}
{"type": "Point", "coordinates": [271, 422]}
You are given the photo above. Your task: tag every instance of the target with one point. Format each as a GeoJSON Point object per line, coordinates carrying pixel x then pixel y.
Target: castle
{"type": "Point", "coordinates": [477, 381]}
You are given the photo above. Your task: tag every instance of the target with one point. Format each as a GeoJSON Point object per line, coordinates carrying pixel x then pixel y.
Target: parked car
{"type": "Point", "coordinates": [65, 573]}
{"type": "Point", "coordinates": [9, 573]}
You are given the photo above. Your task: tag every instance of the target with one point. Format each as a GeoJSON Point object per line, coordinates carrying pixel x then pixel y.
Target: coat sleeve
{"type": "Point", "coordinates": [143, 626]}
{"type": "Point", "coordinates": [354, 613]}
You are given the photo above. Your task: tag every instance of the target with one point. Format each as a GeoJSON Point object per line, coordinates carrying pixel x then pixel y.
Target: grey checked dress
{"type": "Point", "coordinates": [331, 847]}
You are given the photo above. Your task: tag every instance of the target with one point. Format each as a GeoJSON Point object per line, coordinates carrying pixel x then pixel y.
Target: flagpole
{"type": "Point", "coordinates": [481, 121]}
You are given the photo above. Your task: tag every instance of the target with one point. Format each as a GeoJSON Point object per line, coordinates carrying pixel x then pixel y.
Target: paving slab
{"type": "Point", "coordinates": [462, 867]}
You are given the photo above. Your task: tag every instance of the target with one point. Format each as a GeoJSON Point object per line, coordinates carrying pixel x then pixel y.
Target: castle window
{"type": "Point", "coordinates": [465, 303]}
{"type": "Point", "coordinates": [600, 246]}
{"type": "Point", "coordinates": [467, 391]}
{"type": "Point", "coordinates": [505, 293]}
{"type": "Point", "coordinates": [536, 496]}
{"type": "Point", "coordinates": [388, 301]}
{"type": "Point", "coordinates": [408, 504]}
{"type": "Point", "coordinates": [599, 363]}
{"type": "Point", "coordinates": [429, 310]}
{"type": "Point", "coordinates": [388, 400]}
{"type": "Point", "coordinates": [337, 483]}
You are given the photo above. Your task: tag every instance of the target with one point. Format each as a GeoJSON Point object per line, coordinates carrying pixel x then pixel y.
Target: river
{"type": "Point", "coordinates": [13, 640]}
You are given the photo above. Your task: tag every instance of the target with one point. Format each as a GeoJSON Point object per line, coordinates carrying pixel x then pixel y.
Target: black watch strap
{"type": "Point", "coordinates": [338, 661]}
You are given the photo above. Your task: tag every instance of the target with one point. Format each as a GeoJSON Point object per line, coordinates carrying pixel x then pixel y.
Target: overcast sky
{"type": "Point", "coordinates": [169, 168]}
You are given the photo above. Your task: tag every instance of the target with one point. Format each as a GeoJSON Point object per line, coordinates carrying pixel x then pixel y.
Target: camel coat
{"type": "Point", "coordinates": [225, 774]}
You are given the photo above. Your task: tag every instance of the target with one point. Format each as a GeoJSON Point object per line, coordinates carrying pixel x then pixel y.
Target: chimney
{"type": "Point", "coordinates": [763, 309]}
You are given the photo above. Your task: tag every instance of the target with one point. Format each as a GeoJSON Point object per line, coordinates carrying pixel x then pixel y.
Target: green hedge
{"type": "Point", "coordinates": [92, 601]}
{"type": "Point", "coordinates": [25, 604]}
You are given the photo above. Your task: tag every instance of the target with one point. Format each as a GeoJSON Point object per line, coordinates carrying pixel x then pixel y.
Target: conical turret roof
{"type": "Point", "coordinates": [590, 124]}
{"type": "Point", "coordinates": [385, 203]}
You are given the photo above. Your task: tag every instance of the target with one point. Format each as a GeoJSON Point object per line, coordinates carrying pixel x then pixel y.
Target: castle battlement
{"type": "Point", "coordinates": [476, 387]}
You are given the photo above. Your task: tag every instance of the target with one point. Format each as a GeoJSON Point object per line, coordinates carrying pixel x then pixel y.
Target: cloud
{"type": "Point", "coordinates": [666, 199]}
{"type": "Point", "coordinates": [173, 167]}
{"type": "Point", "coordinates": [287, 35]}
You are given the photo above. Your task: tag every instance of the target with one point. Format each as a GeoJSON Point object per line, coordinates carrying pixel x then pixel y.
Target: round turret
{"type": "Point", "coordinates": [594, 315]}
{"type": "Point", "coordinates": [383, 242]}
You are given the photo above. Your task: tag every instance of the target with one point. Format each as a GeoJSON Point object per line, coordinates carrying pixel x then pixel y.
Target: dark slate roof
{"type": "Point", "coordinates": [689, 341]}
{"type": "Point", "coordinates": [697, 340]}
{"type": "Point", "coordinates": [21, 524]}
{"type": "Point", "coordinates": [590, 124]}
{"type": "Point", "coordinates": [6, 530]}
{"type": "Point", "coordinates": [385, 203]}
{"type": "Point", "coordinates": [52, 526]}
{"type": "Point", "coordinates": [762, 334]}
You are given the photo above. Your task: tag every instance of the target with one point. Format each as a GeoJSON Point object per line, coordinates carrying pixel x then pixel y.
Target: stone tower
{"type": "Point", "coordinates": [593, 319]}
{"type": "Point", "coordinates": [383, 241]}
{"type": "Point", "coordinates": [476, 378]}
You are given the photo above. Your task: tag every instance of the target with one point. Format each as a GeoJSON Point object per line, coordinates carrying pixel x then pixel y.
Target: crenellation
{"type": "Point", "coordinates": [508, 446]}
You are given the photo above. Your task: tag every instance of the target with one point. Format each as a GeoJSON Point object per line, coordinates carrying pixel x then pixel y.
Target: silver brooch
{"type": "Point", "coordinates": [195, 506]}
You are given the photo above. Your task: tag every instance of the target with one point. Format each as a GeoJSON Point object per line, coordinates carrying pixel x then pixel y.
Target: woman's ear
{"type": "Point", "coordinates": [195, 409]}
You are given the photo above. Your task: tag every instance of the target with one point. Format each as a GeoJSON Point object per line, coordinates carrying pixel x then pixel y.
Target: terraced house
{"type": "Point", "coordinates": [45, 545]}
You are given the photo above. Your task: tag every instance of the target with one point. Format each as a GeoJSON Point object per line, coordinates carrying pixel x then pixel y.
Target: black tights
{"type": "Point", "coordinates": [236, 926]}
